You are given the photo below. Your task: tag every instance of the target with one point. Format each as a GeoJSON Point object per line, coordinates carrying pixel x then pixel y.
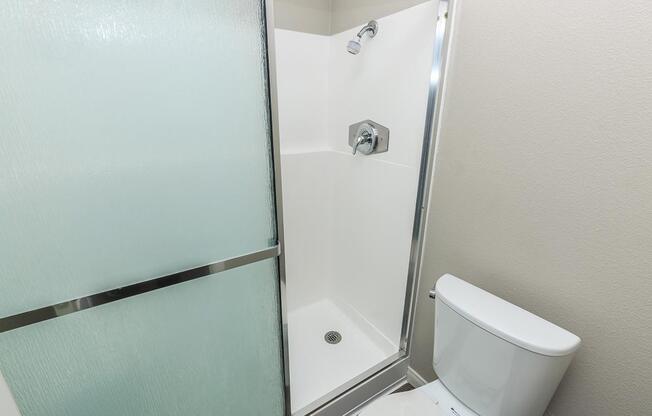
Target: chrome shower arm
{"type": "Point", "coordinates": [371, 27]}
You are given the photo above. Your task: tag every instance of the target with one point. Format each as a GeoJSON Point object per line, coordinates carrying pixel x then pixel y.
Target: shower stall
{"type": "Point", "coordinates": [356, 113]}
{"type": "Point", "coordinates": [204, 214]}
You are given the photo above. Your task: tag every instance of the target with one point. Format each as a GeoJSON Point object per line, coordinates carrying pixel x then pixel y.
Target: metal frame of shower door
{"type": "Point", "coordinates": [443, 33]}
{"type": "Point", "coordinates": [268, 15]}
{"type": "Point", "coordinates": [391, 373]}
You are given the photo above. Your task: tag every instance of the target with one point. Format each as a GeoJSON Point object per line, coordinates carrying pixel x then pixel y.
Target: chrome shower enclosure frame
{"type": "Point", "coordinates": [392, 372]}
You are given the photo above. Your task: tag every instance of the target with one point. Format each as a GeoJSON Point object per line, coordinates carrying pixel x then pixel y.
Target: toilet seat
{"type": "Point", "coordinates": [433, 399]}
{"type": "Point", "coordinates": [409, 403]}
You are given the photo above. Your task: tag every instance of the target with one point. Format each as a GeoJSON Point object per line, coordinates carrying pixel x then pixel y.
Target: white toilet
{"type": "Point", "coordinates": [492, 358]}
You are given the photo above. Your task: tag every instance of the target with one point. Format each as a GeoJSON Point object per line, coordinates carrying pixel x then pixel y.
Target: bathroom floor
{"type": "Point", "coordinates": [317, 367]}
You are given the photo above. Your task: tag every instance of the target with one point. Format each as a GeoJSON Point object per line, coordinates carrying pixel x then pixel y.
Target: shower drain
{"type": "Point", "coordinates": [333, 337]}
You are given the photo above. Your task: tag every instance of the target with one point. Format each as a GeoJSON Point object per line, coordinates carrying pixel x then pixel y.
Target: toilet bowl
{"type": "Point", "coordinates": [492, 358]}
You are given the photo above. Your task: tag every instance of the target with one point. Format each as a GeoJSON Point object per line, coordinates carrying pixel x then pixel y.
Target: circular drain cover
{"type": "Point", "coordinates": [333, 337]}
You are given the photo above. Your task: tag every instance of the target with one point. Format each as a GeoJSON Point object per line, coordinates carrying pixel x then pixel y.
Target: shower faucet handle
{"type": "Point", "coordinates": [368, 137]}
{"type": "Point", "coordinates": [366, 140]}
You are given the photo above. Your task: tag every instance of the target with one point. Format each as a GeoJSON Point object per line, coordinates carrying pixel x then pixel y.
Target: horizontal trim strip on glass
{"type": "Point", "coordinates": [64, 308]}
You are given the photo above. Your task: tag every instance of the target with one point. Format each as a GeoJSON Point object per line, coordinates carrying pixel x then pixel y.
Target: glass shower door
{"type": "Point", "coordinates": [138, 240]}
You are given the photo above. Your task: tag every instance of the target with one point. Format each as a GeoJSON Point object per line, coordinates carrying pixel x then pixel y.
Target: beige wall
{"type": "Point", "coordinates": [311, 16]}
{"type": "Point", "coordinates": [347, 14]}
{"type": "Point", "coordinates": [542, 192]}
{"type": "Point", "coordinates": [326, 17]}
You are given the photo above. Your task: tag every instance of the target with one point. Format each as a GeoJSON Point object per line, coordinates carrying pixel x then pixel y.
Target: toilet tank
{"type": "Point", "coordinates": [496, 358]}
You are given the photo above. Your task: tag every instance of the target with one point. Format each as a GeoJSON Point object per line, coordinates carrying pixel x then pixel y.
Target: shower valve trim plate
{"type": "Point", "coordinates": [368, 137]}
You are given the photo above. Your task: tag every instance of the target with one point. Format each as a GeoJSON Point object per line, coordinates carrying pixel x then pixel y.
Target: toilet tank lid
{"type": "Point", "coordinates": [505, 320]}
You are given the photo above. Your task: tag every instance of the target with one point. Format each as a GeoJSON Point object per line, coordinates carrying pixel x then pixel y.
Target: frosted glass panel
{"type": "Point", "coordinates": [206, 347]}
{"type": "Point", "coordinates": [133, 142]}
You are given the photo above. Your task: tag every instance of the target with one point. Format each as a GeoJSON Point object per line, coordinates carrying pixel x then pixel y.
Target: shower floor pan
{"type": "Point", "coordinates": [318, 367]}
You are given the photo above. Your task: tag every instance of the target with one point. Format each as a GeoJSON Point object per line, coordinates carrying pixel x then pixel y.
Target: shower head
{"type": "Point", "coordinates": [354, 45]}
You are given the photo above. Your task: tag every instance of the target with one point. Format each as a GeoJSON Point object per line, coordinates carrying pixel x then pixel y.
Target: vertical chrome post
{"type": "Point", "coordinates": [278, 194]}
{"type": "Point", "coordinates": [435, 96]}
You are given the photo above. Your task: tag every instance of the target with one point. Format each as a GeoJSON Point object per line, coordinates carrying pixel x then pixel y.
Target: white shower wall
{"type": "Point", "coordinates": [302, 82]}
{"type": "Point", "coordinates": [348, 219]}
